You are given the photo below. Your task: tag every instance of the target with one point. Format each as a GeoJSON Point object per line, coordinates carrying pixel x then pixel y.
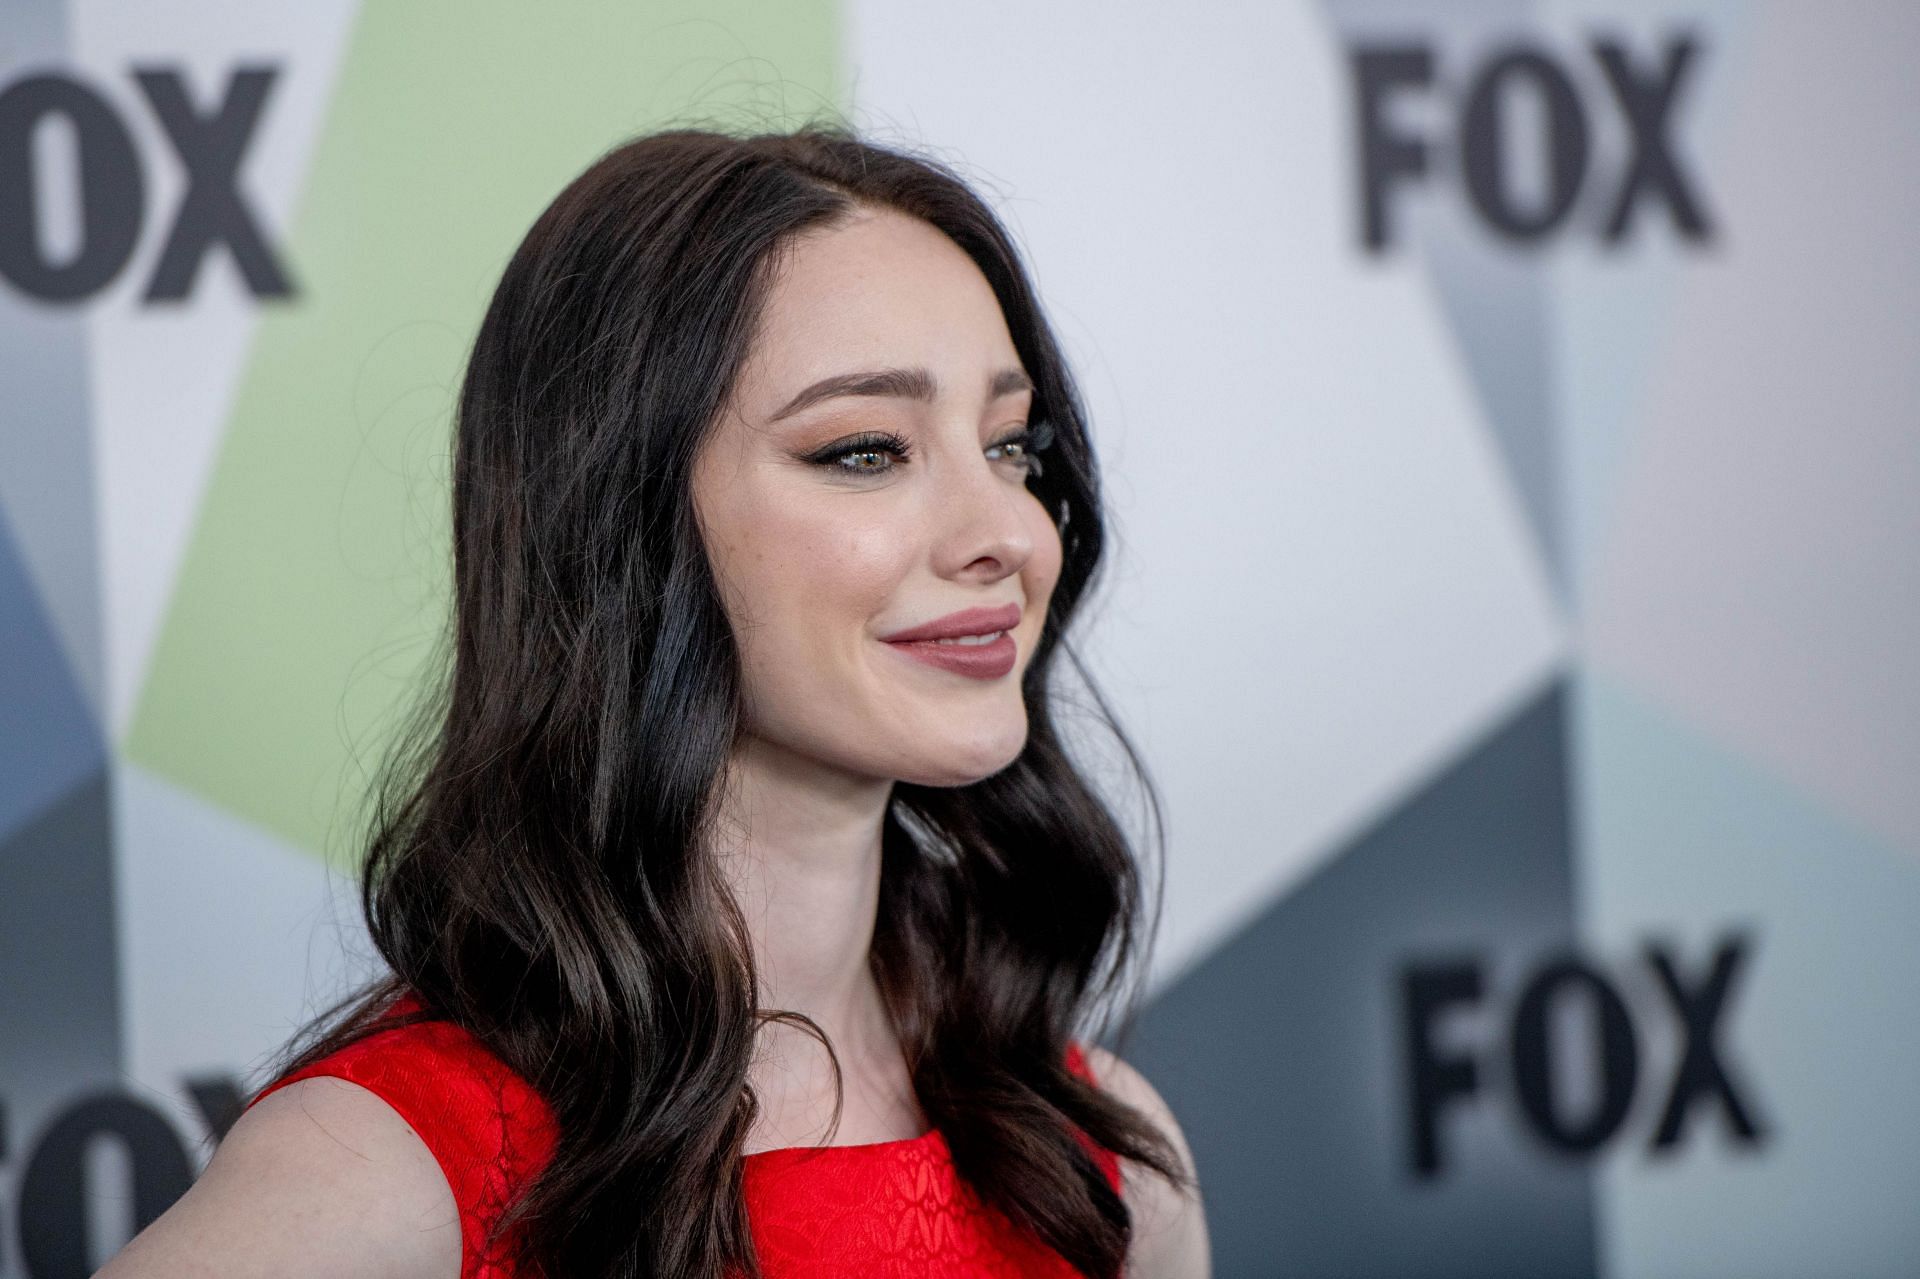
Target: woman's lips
{"type": "Point", "coordinates": [977, 661]}
{"type": "Point", "coordinates": [978, 620]}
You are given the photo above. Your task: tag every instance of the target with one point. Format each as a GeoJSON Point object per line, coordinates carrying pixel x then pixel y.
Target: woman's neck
{"type": "Point", "coordinates": [800, 845]}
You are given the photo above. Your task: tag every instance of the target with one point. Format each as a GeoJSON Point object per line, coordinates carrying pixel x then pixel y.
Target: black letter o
{"type": "Point", "coordinates": [112, 189]}
{"type": "Point", "coordinates": [1616, 1054]}
{"type": "Point", "coordinates": [53, 1192]}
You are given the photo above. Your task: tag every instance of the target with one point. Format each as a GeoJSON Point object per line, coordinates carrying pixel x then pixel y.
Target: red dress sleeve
{"type": "Point", "coordinates": [487, 1127]}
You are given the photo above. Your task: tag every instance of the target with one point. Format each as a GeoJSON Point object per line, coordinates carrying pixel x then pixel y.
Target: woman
{"type": "Point", "coordinates": [742, 826]}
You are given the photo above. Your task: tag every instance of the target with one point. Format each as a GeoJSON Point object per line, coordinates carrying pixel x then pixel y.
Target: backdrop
{"type": "Point", "coordinates": [1509, 412]}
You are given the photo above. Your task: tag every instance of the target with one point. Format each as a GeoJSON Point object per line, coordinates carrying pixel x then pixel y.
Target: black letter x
{"type": "Point", "coordinates": [1701, 1072]}
{"type": "Point", "coordinates": [1647, 102]}
{"type": "Point", "coordinates": [211, 147]}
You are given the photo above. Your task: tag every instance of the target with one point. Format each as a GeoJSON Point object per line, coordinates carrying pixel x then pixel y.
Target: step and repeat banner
{"type": "Point", "coordinates": [1511, 418]}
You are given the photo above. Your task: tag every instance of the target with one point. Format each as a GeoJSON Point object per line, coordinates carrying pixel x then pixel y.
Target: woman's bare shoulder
{"type": "Point", "coordinates": [1170, 1227]}
{"type": "Point", "coordinates": [319, 1179]}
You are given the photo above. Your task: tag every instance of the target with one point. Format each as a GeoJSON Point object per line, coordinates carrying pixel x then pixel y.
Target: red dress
{"type": "Point", "coordinates": [891, 1208]}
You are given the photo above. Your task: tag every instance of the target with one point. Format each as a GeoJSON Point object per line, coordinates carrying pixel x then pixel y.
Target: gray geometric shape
{"type": "Point", "coordinates": [59, 995]}
{"type": "Point", "coordinates": [1761, 576]}
{"type": "Point", "coordinates": [1283, 1052]}
{"type": "Point", "coordinates": [46, 437]}
{"type": "Point", "coordinates": [1500, 308]}
{"type": "Point", "coordinates": [1497, 298]}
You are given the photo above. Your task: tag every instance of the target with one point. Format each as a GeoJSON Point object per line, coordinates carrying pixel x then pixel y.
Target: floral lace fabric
{"type": "Point", "coordinates": [893, 1209]}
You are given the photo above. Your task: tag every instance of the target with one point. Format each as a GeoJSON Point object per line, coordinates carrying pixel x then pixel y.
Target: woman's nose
{"type": "Point", "coordinates": [982, 522]}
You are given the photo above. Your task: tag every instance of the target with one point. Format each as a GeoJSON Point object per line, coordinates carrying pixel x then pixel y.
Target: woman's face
{"type": "Point", "coordinates": [823, 551]}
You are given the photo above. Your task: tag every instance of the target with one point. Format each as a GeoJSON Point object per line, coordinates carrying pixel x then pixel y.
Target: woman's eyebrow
{"type": "Point", "coordinates": [911, 384]}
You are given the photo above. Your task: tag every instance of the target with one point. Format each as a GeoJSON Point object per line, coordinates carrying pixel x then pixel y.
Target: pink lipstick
{"type": "Point", "coordinates": [954, 642]}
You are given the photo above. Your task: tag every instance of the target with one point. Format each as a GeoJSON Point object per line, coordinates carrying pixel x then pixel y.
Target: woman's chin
{"type": "Point", "coordinates": [966, 762]}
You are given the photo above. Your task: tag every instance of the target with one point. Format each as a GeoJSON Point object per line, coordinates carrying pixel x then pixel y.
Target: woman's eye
{"type": "Point", "coordinates": [1024, 446]}
{"type": "Point", "coordinates": [866, 455]}
{"type": "Point", "coordinates": [877, 453]}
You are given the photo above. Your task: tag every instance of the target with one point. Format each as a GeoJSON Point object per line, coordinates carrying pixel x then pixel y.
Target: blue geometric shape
{"type": "Point", "coordinates": [51, 740]}
{"type": "Point", "coordinates": [59, 996]}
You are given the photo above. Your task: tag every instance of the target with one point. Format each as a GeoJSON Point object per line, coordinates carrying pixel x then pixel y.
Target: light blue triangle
{"type": "Point", "coordinates": [1684, 839]}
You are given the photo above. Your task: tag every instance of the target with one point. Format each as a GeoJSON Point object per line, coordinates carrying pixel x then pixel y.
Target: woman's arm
{"type": "Point", "coordinates": [320, 1180]}
{"type": "Point", "coordinates": [1169, 1226]}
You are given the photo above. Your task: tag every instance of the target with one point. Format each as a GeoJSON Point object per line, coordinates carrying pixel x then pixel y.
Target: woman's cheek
{"type": "Point", "coordinates": [872, 557]}
{"type": "Point", "coordinates": [1048, 555]}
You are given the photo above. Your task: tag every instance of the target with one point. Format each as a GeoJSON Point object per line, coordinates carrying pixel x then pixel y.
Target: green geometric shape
{"type": "Point", "coordinates": [317, 578]}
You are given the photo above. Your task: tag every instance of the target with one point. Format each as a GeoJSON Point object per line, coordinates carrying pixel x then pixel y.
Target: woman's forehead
{"type": "Point", "coordinates": [878, 290]}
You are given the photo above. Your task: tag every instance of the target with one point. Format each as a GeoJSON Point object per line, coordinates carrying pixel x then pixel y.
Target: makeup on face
{"type": "Point", "coordinates": [873, 489]}
{"type": "Point", "coordinates": [975, 642]}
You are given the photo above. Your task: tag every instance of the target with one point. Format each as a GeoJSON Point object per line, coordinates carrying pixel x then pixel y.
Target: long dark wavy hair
{"type": "Point", "coordinates": [540, 868]}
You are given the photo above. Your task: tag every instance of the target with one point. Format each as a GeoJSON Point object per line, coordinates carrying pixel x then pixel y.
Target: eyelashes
{"type": "Point", "coordinates": [867, 443]}
{"type": "Point", "coordinates": [894, 449]}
